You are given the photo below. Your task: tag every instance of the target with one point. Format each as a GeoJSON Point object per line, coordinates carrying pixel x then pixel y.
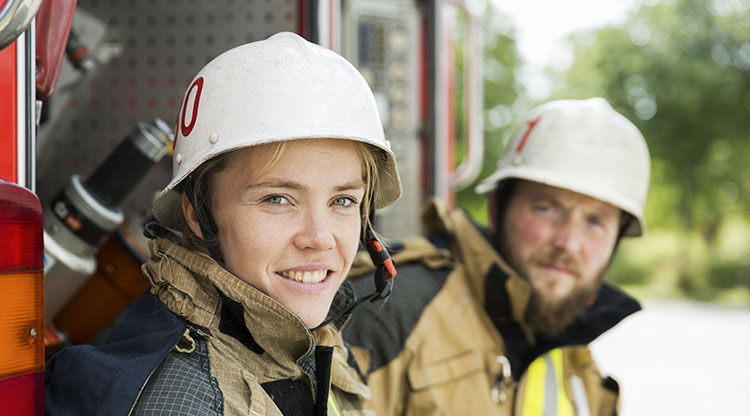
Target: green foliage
{"type": "Point", "coordinates": [728, 275]}
{"type": "Point", "coordinates": [680, 70]}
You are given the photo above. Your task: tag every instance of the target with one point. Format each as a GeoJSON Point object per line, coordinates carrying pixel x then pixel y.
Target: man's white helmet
{"type": "Point", "coordinates": [584, 146]}
{"type": "Point", "coordinates": [283, 88]}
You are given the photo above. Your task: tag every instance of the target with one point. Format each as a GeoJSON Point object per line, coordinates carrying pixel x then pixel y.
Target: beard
{"type": "Point", "coordinates": [552, 317]}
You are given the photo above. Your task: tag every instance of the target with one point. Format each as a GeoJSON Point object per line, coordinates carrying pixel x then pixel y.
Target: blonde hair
{"type": "Point", "coordinates": [201, 184]}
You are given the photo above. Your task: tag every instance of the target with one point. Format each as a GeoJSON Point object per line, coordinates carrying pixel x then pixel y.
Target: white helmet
{"type": "Point", "coordinates": [282, 88]}
{"type": "Point", "coordinates": [584, 146]}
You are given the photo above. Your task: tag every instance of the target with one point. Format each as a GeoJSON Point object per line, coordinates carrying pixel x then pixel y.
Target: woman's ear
{"type": "Point", "coordinates": [190, 217]}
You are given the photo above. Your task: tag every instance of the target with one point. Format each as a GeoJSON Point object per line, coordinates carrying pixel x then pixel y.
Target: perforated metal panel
{"type": "Point", "coordinates": [150, 49]}
{"type": "Point", "coordinates": [380, 38]}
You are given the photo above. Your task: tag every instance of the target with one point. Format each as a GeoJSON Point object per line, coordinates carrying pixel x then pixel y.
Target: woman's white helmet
{"type": "Point", "coordinates": [279, 89]}
{"type": "Point", "coordinates": [584, 146]}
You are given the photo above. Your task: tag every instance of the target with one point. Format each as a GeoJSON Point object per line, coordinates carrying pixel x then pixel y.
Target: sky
{"type": "Point", "coordinates": [542, 26]}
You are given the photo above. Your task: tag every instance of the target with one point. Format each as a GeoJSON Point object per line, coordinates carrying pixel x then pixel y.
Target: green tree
{"type": "Point", "coordinates": [681, 71]}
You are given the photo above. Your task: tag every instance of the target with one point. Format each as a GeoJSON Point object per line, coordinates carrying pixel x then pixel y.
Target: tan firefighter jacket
{"type": "Point", "coordinates": [451, 339]}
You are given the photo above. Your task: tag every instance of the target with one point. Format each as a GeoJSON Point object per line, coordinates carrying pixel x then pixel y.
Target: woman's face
{"type": "Point", "coordinates": [292, 230]}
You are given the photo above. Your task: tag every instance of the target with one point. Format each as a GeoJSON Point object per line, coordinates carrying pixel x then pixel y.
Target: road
{"type": "Point", "coordinates": [680, 358]}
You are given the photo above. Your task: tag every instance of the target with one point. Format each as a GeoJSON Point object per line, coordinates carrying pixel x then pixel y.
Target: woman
{"type": "Point", "coordinates": [279, 160]}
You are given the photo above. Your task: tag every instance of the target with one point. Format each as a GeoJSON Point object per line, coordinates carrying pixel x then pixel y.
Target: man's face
{"type": "Point", "coordinates": [560, 242]}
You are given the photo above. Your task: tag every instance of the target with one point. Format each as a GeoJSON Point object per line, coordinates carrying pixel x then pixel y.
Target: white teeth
{"type": "Point", "coordinates": [314, 276]}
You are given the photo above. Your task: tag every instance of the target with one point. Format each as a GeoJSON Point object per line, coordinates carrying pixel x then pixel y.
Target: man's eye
{"type": "Point", "coordinates": [594, 221]}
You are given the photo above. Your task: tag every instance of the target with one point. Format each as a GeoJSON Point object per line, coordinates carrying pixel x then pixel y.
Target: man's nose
{"type": "Point", "coordinates": [568, 236]}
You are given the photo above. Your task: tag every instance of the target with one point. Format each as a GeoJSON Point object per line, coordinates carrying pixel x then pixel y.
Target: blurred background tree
{"type": "Point", "coordinates": [680, 70]}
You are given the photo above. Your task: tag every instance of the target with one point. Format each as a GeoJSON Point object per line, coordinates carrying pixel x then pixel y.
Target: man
{"type": "Point", "coordinates": [498, 324]}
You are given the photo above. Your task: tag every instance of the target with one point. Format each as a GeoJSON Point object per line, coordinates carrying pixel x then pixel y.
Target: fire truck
{"type": "Point", "coordinates": [89, 93]}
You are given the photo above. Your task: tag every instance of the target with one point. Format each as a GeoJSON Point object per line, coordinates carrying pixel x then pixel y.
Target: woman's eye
{"type": "Point", "coordinates": [276, 199]}
{"type": "Point", "coordinates": [343, 202]}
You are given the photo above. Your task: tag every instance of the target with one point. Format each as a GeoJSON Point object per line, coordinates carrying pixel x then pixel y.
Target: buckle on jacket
{"type": "Point", "coordinates": [503, 383]}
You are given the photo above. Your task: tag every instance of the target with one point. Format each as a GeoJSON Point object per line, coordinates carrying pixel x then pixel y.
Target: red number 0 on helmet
{"type": "Point", "coordinates": [198, 83]}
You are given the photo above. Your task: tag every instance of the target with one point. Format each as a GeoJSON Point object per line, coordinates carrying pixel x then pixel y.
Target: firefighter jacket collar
{"type": "Point", "coordinates": [196, 288]}
{"type": "Point", "coordinates": [477, 255]}
{"type": "Point", "coordinates": [187, 282]}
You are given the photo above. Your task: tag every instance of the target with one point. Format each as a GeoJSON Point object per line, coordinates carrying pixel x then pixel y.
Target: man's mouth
{"type": "Point", "coordinates": [305, 276]}
{"type": "Point", "coordinates": [557, 268]}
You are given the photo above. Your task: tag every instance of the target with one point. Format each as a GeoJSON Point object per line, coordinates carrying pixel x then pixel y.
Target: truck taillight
{"type": "Point", "coordinates": [21, 301]}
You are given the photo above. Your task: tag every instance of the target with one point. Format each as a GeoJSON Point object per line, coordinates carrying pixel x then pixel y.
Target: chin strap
{"type": "Point", "coordinates": [154, 229]}
{"type": "Point", "coordinates": [206, 222]}
{"type": "Point", "coordinates": [385, 271]}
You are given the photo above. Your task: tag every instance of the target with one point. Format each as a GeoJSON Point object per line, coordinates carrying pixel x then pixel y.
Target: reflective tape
{"type": "Point", "coordinates": [332, 409]}
{"type": "Point", "coordinates": [579, 396]}
{"type": "Point", "coordinates": [544, 394]}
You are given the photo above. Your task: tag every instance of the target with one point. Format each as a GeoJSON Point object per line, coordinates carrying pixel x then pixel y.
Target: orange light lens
{"type": "Point", "coordinates": [21, 323]}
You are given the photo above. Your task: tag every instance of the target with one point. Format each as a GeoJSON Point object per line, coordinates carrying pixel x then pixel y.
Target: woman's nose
{"type": "Point", "coordinates": [315, 233]}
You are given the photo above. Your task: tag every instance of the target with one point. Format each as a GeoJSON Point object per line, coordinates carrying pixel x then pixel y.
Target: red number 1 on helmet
{"type": "Point", "coordinates": [531, 124]}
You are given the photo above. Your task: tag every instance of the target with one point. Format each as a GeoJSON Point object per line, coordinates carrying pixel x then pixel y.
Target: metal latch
{"type": "Point", "coordinates": [504, 381]}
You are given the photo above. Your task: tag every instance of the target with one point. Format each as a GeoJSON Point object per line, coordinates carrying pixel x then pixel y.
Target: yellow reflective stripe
{"type": "Point", "coordinates": [533, 398]}
{"type": "Point", "coordinates": [332, 409]}
{"type": "Point", "coordinates": [564, 407]}
{"type": "Point", "coordinates": [544, 393]}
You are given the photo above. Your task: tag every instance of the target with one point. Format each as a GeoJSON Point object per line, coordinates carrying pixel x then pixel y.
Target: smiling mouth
{"type": "Point", "coordinates": [307, 276]}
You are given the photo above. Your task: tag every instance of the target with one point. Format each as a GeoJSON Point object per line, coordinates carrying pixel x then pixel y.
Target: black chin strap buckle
{"type": "Point", "coordinates": [385, 270]}
{"type": "Point", "coordinates": [154, 229]}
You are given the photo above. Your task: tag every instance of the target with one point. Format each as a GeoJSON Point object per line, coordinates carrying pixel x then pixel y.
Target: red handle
{"type": "Point", "coordinates": [53, 23]}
